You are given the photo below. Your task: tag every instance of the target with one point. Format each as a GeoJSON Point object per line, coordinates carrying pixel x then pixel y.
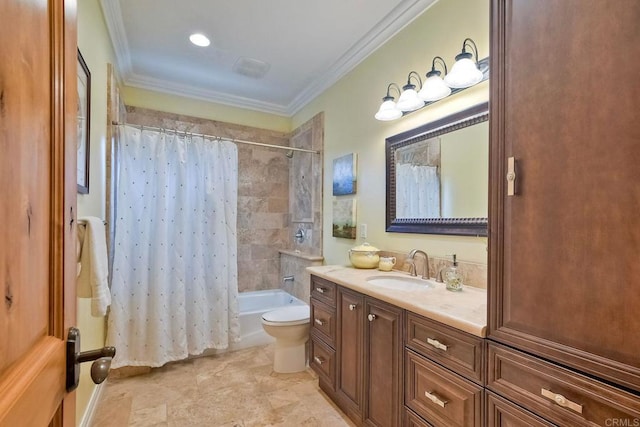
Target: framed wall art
{"type": "Point", "coordinates": [344, 218]}
{"type": "Point", "coordinates": [344, 175]}
{"type": "Point", "coordinates": [84, 114]}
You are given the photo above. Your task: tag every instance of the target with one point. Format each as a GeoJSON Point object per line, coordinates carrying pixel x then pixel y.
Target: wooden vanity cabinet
{"type": "Point", "coordinates": [444, 374]}
{"type": "Point", "coordinates": [565, 233]}
{"type": "Point", "coordinates": [367, 349]}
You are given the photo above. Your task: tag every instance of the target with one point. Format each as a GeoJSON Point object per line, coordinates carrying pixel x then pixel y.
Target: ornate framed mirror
{"type": "Point", "coordinates": [437, 176]}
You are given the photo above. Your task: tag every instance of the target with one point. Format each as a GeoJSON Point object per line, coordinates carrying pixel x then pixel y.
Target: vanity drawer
{"type": "Point", "coordinates": [563, 396]}
{"type": "Point", "coordinates": [323, 290]}
{"type": "Point", "coordinates": [323, 321]}
{"type": "Point", "coordinates": [502, 413]}
{"type": "Point", "coordinates": [322, 359]}
{"type": "Point", "coordinates": [412, 420]}
{"type": "Point", "coordinates": [438, 395]}
{"type": "Point", "coordinates": [459, 351]}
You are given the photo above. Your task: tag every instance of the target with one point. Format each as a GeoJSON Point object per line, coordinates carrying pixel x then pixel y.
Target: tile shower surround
{"type": "Point", "coordinates": [263, 192]}
{"type": "Point", "coordinates": [305, 191]}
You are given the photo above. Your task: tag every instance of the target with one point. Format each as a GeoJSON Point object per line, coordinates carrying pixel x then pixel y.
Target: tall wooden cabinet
{"type": "Point", "coordinates": [564, 264]}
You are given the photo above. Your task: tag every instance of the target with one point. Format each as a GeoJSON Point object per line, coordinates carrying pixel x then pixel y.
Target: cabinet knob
{"type": "Point", "coordinates": [352, 306]}
{"type": "Point", "coordinates": [319, 321]}
{"type": "Point", "coordinates": [318, 360]}
{"type": "Point", "coordinates": [321, 290]}
{"type": "Point", "coordinates": [371, 317]}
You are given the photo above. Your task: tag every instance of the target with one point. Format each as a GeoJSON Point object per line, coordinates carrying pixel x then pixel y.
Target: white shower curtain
{"type": "Point", "coordinates": [417, 191]}
{"type": "Point", "coordinates": [175, 283]}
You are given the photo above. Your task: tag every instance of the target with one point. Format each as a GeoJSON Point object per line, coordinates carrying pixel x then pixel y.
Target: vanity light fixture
{"type": "Point", "coordinates": [409, 100]}
{"type": "Point", "coordinates": [388, 109]}
{"type": "Point", "coordinates": [199, 40]}
{"type": "Point", "coordinates": [465, 72]}
{"type": "Point", "coordinates": [434, 88]}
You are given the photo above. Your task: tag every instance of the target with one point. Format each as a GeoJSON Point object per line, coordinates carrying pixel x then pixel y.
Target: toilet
{"type": "Point", "coordinates": [290, 327]}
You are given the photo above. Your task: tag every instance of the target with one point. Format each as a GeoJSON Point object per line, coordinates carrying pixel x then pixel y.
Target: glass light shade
{"type": "Point", "coordinates": [388, 111]}
{"type": "Point", "coordinates": [433, 89]}
{"type": "Point", "coordinates": [409, 100]}
{"type": "Point", "coordinates": [464, 73]}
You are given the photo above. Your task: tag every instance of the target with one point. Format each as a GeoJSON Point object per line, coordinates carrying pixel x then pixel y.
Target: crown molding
{"type": "Point", "coordinates": [172, 88]}
{"type": "Point", "coordinates": [401, 16]}
{"type": "Point", "coordinates": [113, 18]}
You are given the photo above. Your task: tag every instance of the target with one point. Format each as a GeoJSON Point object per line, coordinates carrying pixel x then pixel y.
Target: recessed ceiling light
{"type": "Point", "coordinates": [199, 40]}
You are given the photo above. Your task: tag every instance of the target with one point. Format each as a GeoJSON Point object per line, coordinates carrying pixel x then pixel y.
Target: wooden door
{"type": "Point", "coordinates": [565, 104]}
{"type": "Point", "coordinates": [349, 384]}
{"type": "Point", "coordinates": [383, 364]}
{"type": "Point", "coordinates": [38, 192]}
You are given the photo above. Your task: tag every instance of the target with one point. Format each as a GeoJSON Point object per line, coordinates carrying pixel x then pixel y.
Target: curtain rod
{"type": "Point", "coordinates": [240, 141]}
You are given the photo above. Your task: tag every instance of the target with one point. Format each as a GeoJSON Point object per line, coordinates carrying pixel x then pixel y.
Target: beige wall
{"type": "Point", "coordinates": [95, 45]}
{"type": "Point", "coordinates": [350, 104]}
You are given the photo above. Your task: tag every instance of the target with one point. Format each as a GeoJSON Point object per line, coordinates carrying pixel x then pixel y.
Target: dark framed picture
{"type": "Point", "coordinates": [84, 114]}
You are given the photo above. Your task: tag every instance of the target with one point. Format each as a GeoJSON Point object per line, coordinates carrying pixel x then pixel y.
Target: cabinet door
{"type": "Point", "coordinates": [564, 268]}
{"type": "Point", "coordinates": [350, 337]}
{"type": "Point", "coordinates": [383, 363]}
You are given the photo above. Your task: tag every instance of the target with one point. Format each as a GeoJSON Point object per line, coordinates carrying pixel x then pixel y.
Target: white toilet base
{"type": "Point", "coordinates": [289, 358]}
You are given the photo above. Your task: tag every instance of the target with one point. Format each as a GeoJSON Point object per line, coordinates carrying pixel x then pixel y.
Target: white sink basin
{"type": "Point", "coordinates": [400, 283]}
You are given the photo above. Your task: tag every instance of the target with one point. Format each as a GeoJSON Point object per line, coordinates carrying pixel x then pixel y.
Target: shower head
{"type": "Point", "coordinates": [289, 154]}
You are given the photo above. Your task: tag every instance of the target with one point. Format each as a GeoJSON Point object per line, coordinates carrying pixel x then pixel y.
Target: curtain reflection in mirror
{"type": "Point", "coordinates": [418, 193]}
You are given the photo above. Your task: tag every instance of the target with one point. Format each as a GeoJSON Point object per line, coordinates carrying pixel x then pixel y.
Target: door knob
{"type": "Point", "coordinates": [99, 368]}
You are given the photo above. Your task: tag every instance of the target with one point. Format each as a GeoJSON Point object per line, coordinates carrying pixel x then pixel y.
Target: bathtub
{"type": "Point", "coordinates": [252, 306]}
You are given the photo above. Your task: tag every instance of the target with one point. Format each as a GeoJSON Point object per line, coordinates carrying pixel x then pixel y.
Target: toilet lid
{"type": "Point", "coordinates": [294, 313]}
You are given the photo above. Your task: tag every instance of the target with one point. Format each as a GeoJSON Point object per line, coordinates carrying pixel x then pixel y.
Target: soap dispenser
{"type": "Point", "coordinates": [452, 277]}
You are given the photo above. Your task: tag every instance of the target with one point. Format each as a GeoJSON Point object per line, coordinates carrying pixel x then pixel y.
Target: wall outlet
{"type": "Point", "coordinates": [363, 231]}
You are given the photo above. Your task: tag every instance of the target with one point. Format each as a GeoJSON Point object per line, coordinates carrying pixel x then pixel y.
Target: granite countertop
{"type": "Point", "coordinates": [465, 310]}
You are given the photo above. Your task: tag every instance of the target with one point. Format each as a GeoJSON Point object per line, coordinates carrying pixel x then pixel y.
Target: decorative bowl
{"type": "Point", "coordinates": [364, 256]}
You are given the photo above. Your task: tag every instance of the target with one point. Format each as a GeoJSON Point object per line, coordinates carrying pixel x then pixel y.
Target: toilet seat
{"type": "Point", "coordinates": [294, 315]}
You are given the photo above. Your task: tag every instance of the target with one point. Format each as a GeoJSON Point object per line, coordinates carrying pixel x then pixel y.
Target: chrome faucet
{"type": "Point", "coordinates": [425, 268]}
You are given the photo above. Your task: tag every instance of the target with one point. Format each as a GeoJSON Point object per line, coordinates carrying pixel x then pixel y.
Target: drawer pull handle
{"type": "Point", "coordinates": [319, 321]}
{"type": "Point", "coordinates": [321, 290]}
{"type": "Point", "coordinates": [435, 399]}
{"type": "Point", "coordinates": [318, 360]}
{"type": "Point", "coordinates": [436, 344]}
{"type": "Point", "coordinates": [562, 401]}
{"type": "Point", "coordinates": [371, 317]}
{"type": "Point", "coordinates": [352, 306]}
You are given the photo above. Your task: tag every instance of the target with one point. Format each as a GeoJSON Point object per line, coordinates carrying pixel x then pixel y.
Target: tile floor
{"type": "Point", "coordinates": [237, 389]}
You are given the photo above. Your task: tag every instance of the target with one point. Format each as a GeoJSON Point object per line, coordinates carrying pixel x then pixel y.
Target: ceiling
{"type": "Point", "coordinates": [308, 45]}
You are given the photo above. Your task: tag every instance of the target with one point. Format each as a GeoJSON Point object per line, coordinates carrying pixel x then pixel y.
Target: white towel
{"type": "Point", "coordinates": [94, 272]}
